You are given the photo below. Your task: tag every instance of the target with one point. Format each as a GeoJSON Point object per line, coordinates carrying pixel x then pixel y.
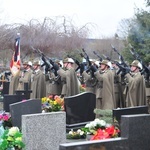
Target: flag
{"type": "Point", "coordinates": [15, 62]}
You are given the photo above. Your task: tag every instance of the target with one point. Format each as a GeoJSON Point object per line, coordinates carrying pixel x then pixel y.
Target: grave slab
{"type": "Point", "coordinates": [10, 99]}
{"type": "Point", "coordinates": [31, 106]}
{"type": "Point", "coordinates": [79, 109]}
{"type": "Point", "coordinates": [44, 131]}
{"type": "Point", "coordinates": [117, 113]}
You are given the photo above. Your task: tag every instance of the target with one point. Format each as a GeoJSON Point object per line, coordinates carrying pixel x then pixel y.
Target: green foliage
{"type": "Point", "coordinates": [11, 138]}
{"type": "Point", "coordinates": [139, 37]}
{"type": "Point", "coordinates": [105, 115]}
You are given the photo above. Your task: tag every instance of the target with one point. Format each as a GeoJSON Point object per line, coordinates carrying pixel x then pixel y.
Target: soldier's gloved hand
{"type": "Point", "coordinates": [56, 68]}
{"type": "Point", "coordinates": [93, 68]}
{"type": "Point", "coordinates": [127, 70]}
{"type": "Point", "coordinates": [124, 72]}
{"type": "Point", "coordinates": [51, 62]}
{"type": "Point", "coordinates": [81, 68]}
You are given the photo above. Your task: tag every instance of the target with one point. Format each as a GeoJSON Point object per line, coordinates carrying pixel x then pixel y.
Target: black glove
{"type": "Point", "coordinates": [93, 68]}
{"type": "Point", "coordinates": [56, 68]}
{"type": "Point", "coordinates": [52, 63]}
{"type": "Point", "coordinates": [81, 68]}
{"type": "Point", "coordinates": [88, 70]}
{"type": "Point", "coordinates": [125, 71]}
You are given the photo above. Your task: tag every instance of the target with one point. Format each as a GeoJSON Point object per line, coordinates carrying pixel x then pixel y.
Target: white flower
{"type": "Point", "coordinates": [92, 125]}
{"type": "Point", "coordinates": [43, 111]}
{"type": "Point", "coordinates": [102, 123]}
{"type": "Point", "coordinates": [70, 132]}
{"type": "Point", "coordinates": [96, 120]}
{"type": "Point", "coordinates": [87, 125]}
{"type": "Point", "coordinates": [82, 132]}
{"type": "Point", "coordinates": [78, 131]}
{"type": "Point", "coordinates": [13, 130]}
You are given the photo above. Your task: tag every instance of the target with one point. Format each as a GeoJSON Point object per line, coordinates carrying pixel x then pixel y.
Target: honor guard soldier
{"type": "Point", "coordinates": [38, 85]}
{"type": "Point", "coordinates": [135, 90]}
{"type": "Point", "coordinates": [70, 83]}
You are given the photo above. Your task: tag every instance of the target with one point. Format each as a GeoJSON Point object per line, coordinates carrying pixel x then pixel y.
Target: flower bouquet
{"type": "Point", "coordinates": [50, 104]}
{"type": "Point", "coordinates": [11, 139]}
{"type": "Point", "coordinates": [79, 134]}
{"type": "Point", "coordinates": [5, 120]}
{"type": "Point", "coordinates": [99, 129]}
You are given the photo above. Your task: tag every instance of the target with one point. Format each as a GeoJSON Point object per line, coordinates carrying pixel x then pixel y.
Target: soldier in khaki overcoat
{"type": "Point", "coordinates": [25, 75]}
{"type": "Point", "coordinates": [38, 84]}
{"type": "Point", "coordinates": [54, 85]}
{"type": "Point", "coordinates": [70, 82]}
{"type": "Point", "coordinates": [105, 95]}
{"type": "Point", "coordinates": [135, 90]}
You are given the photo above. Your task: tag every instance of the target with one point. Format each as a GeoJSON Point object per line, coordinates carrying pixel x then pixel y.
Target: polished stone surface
{"type": "Point", "coordinates": [31, 106]}
{"type": "Point", "coordinates": [137, 129]}
{"type": "Point", "coordinates": [44, 131]}
{"type": "Point", "coordinates": [79, 108]}
{"type": "Point", "coordinates": [129, 111]}
{"type": "Point", "coordinates": [10, 99]}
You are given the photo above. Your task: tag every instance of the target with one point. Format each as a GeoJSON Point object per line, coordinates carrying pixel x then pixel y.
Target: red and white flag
{"type": "Point", "coordinates": [15, 63]}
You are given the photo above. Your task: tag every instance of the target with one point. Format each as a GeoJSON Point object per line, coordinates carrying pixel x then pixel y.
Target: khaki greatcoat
{"type": "Point", "coordinates": [105, 95]}
{"type": "Point", "coordinates": [135, 90]}
{"type": "Point", "coordinates": [70, 82]}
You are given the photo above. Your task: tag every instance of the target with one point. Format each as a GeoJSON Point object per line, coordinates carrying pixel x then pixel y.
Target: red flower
{"type": "Point", "coordinates": [51, 97]}
{"type": "Point", "coordinates": [5, 117]}
{"type": "Point", "coordinates": [112, 131]}
{"type": "Point", "coordinates": [1, 116]}
{"type": "Point", "coordinates": [101, 134]}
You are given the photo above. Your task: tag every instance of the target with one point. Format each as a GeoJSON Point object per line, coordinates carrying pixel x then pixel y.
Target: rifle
{"type": "Point", "coordinates": [123, 67]}
{"type": "Point", "coordinates": [44, 58]}
{"type": "Point", "coordinates": [106, 57]}
{"type": "Point", "coordinates": [88, 61]}
{"type": "Point", "coordinates": [100, 58]}
{"type": "Point", "coordinates": [120, 56]}
{"type": "Point", "coordinates": [145, 68]}
{"type": "Point", "coordinates": [85, 55]}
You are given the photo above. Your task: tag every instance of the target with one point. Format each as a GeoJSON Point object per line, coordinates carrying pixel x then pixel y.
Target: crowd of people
{"type": "Point", "coordinates": [113, 87]}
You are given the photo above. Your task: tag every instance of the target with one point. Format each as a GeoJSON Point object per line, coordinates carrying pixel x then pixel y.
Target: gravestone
{"type": "Point", "coordinates": [129, 111]}
{"type": "Point", "coordinates": [44, 131]}
{"type": "Point", "coordinates": [26, 92]}
{"type": "Point", "coordinates": [5, 88]}
{"type": "Point", "coordinates": [10, 99]}
{"type": "Point", "coordinates": [79, 109]}
{"type": "Point", "coordinates": [135, 133]}
{"type": "Point", "coordinates": [31, 106]}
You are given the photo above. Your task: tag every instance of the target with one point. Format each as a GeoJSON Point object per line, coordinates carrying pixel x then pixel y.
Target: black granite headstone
{"type": "Point", "coordinates": [79, 109]}
{"type": "Point", "coordinates": [5, 88]}
{"type": "Point", "coordinates": [25, 92]}
{"type": "Point", "coordinates": [10, 99]}
{"type": "Point", "coordinates": [117, 113]}
{"type": "Point", "coordinates": [30, 106]}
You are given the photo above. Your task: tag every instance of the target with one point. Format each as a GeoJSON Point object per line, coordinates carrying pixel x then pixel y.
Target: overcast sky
{"type": "Point", "coordinates": [105, 15]}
